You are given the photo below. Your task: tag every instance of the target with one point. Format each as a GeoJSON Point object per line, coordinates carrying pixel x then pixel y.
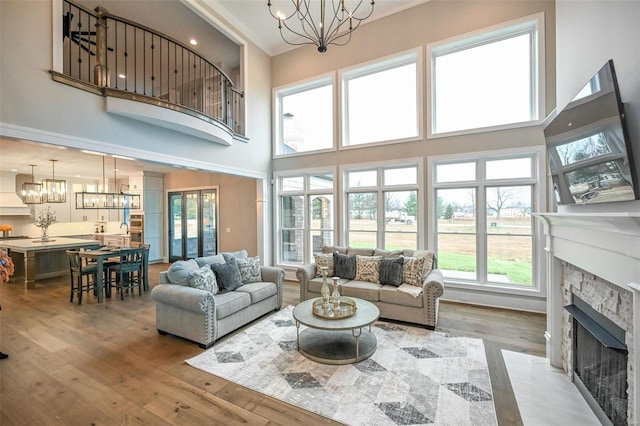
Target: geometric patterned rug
{"type": "Point", "coordinates": [416, 376]}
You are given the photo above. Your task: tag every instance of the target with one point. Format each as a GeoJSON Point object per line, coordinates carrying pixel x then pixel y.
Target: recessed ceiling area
{"type": "Point", "coordinates": [16, 155]}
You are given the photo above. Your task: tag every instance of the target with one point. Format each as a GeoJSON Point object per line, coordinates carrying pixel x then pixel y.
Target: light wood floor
{"type": "Point", "coordinates": [105, 364]}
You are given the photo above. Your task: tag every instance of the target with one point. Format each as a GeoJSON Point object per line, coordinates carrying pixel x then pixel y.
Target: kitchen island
{"type": "Point", "coordinates": [35, 259]}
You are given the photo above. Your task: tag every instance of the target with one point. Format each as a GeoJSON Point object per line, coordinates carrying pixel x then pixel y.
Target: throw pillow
{"type": "Point", "coordinates": [391, 271]}
{"type": "Point", "coordinates": [326, 260]}
{"type": "Point", "coordinates": [412, 270]}
{"type": "Point", "coordinates": [344, 265]}
{"type": "Point", "coordinates": [367, 268]}
{"type": "Point", "coordinates": [250, 270]}
{"type": "Point", "coordinates": [218, 258]}
{"type": "Point", "coordinates": [180, 271]}
{"type": "Point", "coordinates": [240, 254]}
{"type": "Point", "coordinates": [204, 279]}
{"type": "Point", "coordinates": [429, 256]}
{"type": "Point", "coordinates": [227, 275]}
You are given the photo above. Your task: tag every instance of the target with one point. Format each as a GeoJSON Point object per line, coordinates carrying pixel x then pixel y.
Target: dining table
{"type": "Point", "coordinates": [99, 256]}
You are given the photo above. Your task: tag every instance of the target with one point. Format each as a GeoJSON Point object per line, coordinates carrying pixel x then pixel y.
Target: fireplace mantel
{"type": "Point", "coordinates": [605, 244]}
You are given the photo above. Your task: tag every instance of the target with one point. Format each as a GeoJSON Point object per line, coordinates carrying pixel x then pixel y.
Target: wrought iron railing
{"type": "Point", "coordinates": [116, 54]}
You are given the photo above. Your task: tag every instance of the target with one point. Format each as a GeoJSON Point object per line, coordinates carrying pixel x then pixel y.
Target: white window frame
{"type": "Point", "coordinates": [534, 23]}
{"type": "Point", "coordinates": [539, 198]}
{"type": "Point", "coordinates": [306, 193]}
{"type": "Point", "coordinates": [371, 67]}
{"type": "Point", "coordinates": [380, 189]}
{"type": "Point", "coordinates": [298, 87]}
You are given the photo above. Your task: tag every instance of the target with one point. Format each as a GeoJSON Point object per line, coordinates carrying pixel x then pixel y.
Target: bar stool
{"type": "Point", "coordinates": [127, 274]}
{"type": "Point", "coordinates": [79, 272]}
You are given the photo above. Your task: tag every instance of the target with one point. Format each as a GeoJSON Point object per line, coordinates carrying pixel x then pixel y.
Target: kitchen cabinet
{"type": "Point", "coordinates": [116, 240]}
{"type": "Point", "coordinates": [150, 187]}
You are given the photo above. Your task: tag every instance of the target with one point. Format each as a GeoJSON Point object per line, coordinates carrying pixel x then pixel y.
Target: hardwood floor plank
{"type": "Point", "coordinates": [105, 363]}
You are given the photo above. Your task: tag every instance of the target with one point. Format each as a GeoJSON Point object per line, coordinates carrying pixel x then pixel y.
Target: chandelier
{"type": "Point", "coordinates": [32, 191]}
{"type": "Point", "coordinates": [323, 23]}
{"type": "Point", "coordinates": [92, 200]}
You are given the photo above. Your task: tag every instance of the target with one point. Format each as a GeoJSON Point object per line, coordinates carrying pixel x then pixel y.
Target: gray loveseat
{"type": "Point", "coordinates": [199, 315]}
{"type": "Point", "coordinates": [421, 307]}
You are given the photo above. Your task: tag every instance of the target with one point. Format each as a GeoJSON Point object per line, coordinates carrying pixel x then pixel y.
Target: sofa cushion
{"type": "Point", "coordinates": [249, 269]}
{"type": "Point", "coordinates": [391, 294]}
{"type": "Point", "coordinates": [240, 254]}
{"type": "Point", "coordinates": [387, 253]}
{"type": "Point", "coordinates": [429, 256]}
{"type": "Point", "coordinates": [326, 260]}
{"type": "Point", "coordinates": [218, 258]}
{"type": "Point", "coordinates": [231, 302]}
{"type": "Point", "coordinates": [360, 251]}
{"type": "Point", "coordinates": [204, 279]}
{"type": "Point", "coordinates": [367, 268]}
{"type": "Point", "coordinates": [227, 274]}
{"type": "Point", "coordinates": [180, 271]}
{"type": "Point", "coordinates": [413, 270]}
{"type": "Point", "coordinates": [333, 249]}
{"type": "Point", "coordinates": [259, 290]}
{"type": "Point", "coordinates": [361, 289]}
{"type": "Point", "coordinates": [391, 271]}
{"type": "Point", "coordinates": [315, 284]}
{"type": "Point", "coordinates": [344, 265]}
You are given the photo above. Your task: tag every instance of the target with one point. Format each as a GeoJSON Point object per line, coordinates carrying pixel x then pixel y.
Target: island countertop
{"type": "Point", "coordinates": [34, 244]}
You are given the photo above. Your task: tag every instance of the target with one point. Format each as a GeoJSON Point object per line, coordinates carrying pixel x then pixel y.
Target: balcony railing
{"type": "Point", "coordinates": [122, 58]}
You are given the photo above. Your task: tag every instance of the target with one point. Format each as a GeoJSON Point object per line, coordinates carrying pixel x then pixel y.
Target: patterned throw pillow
{"type": "Point", "coordinates": [204, 279]}
{"type": "Point", "coordinates": [413, 270]}
{"type": "Point", "coordinates": [250, 269]}
{"type": "Point", "coordinates": [324, 260]}
{"type": "Point", "coordinates": [368, 268]}
{"type": "Point", "coordinates": [227, 275]}
{"type": "Point", "coordinates": [344, 265]}
{"type": "Point", "coordinates": [391, 271]}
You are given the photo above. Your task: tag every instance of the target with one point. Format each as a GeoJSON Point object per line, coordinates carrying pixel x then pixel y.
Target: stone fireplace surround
{"type": "Point", "coordinates": [597, 257]}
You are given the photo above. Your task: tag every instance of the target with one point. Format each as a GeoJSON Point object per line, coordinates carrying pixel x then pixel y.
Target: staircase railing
{"type": "Point", "coordinates": [116, 54]}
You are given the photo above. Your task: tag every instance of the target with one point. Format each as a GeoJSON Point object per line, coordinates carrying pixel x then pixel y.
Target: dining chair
{"type": "Point", "coordinates": [105, 268]}
{"type": "Point", "coordinates": [83, 277]}
{"type": "Point", "coordinates": [128, 273]}
{"type": "Point", "coordinates": [145, 266]}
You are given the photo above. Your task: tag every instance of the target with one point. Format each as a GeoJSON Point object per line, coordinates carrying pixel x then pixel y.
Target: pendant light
{"type": "Point", "coordinates": [32, 191]}
{"type": "Point", "coordinates": [54, 190]}
{"type": "Point", "coordinates": [107, 200]}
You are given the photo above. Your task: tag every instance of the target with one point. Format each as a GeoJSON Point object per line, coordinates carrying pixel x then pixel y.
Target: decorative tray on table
{"type": "Point", "coordinates": [347, 308]}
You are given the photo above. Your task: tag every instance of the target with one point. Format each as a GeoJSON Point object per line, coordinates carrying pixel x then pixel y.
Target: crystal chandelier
{"type": "Point", "coordinates": [322, 23]}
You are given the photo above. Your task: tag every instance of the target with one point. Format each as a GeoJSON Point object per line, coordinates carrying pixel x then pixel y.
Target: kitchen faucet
{"type": "Point", "coordinates": [125, 224]}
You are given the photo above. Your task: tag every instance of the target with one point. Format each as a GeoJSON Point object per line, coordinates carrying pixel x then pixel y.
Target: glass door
{"type": "Point", "coordinates": [192, 224]}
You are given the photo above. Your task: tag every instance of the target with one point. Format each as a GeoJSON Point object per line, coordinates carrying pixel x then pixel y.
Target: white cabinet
{"type": "Point", "coordinates": [116, 240]}
{"type": "Point", "coordinates": [150, 187]}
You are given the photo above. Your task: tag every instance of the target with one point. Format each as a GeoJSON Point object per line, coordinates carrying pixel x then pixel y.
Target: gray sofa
{"type": "Point", "coordinates": [203, 317]}
{"type": "Point", "coordinates": [393, 303]}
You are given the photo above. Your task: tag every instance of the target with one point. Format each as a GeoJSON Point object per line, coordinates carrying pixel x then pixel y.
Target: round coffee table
{"type": "Point", "coordinates": [336, 341]}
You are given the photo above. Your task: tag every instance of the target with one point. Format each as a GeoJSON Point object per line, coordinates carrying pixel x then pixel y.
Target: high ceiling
{"type": "Point", "coordinates": [253, 19]}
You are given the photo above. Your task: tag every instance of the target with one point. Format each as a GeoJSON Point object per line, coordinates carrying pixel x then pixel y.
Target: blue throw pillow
{"type": "Point", "coordinates": [391, 271]}
{"type": "Point", "coordinates": [227, 275]}
{"type": "Point", "coordinates": [344, 265]}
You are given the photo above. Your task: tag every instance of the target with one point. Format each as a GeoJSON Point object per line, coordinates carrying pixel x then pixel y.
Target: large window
{"type": "Point", "coordinates": [487, 79]}
{"type": "Point", "coordinates": [382, 207]}
{"type": "Point", "coordinates": [484, 230]}
{"type": "Point", "coordinates": [306, 215]}
{"type": "Point", "coordinates": [304, 117]}
{"type": "Point", "coordinates": [381, 101]}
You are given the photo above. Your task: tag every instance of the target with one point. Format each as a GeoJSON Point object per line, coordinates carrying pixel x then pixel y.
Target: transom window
{"type": "Point", "coordinates": [487, 79]}
{"type": "Point", "coordinates": [381, 101]}
{"type": "Point", "coordinates": [304, 117]}
{"type": "Point", "coordinates": [382, 207]}
{"type": "Point", "coordinates": [484, 230]}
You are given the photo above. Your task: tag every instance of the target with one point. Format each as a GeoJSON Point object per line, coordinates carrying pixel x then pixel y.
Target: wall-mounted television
{"type": "Point", "coordinates": [588, 146]}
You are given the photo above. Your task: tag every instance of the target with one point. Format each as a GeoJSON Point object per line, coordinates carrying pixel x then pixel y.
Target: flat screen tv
{"type": "Point", "coordinates": [588, 146]}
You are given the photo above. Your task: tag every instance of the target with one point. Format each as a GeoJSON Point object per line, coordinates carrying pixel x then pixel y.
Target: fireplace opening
{"type": "Point", "coordinates": [600, 363]}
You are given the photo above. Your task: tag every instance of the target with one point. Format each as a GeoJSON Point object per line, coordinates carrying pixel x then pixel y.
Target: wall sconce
{"type": "Point", "coordinates": [54, 190]}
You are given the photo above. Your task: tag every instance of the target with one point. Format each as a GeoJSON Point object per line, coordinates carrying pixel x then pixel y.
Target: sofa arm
{"type": "Point", "coordinates": [275, 275]}
{"type": "Point", "coordinates": [433, 283]}
{"type": "Point", "coordinates": [183, 297]}
{"type": "Point", "coordinates": [305, 273]}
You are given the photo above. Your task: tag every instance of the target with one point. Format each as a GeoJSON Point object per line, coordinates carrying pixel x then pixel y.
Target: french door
{"type": "Point", "coordinates": [192, 224]}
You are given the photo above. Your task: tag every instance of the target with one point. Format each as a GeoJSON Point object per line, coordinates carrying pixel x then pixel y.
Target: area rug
{"type": "Point", "coordinates": [416, 376]}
